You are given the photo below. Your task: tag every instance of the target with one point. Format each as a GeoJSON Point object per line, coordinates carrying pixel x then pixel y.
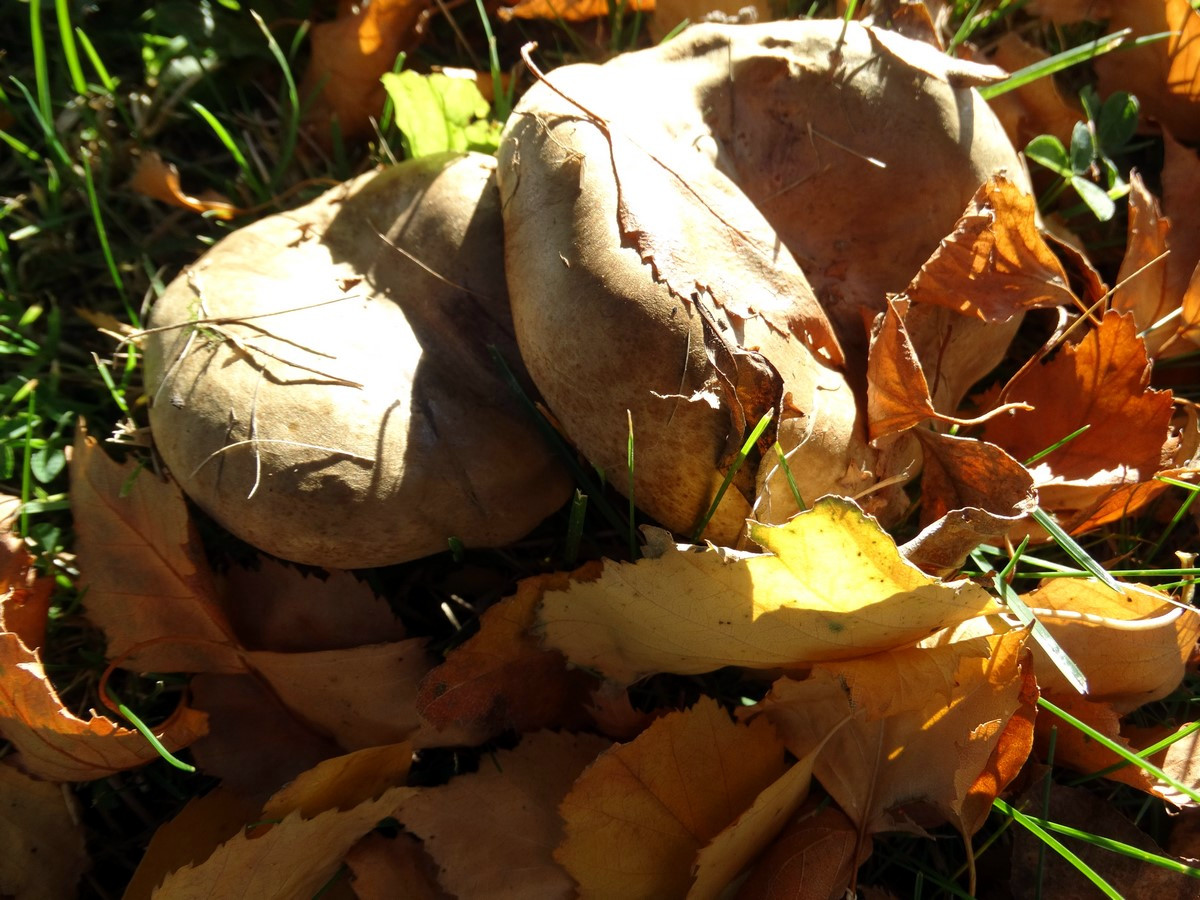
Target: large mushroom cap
{"type": "Point", "coordinates": [321, 382]}
{"type": "Point", "coordinates": [698, 233]}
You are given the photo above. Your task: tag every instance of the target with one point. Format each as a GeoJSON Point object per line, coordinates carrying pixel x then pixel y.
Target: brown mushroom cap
{"type": "Point", "coordinates": [680, 221]}
{"type": "Point", "coordinates": [321, 382]}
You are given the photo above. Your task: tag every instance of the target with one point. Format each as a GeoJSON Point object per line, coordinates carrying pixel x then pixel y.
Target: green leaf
{"type": "Point", "coordinates": [1094, 196]}
{"type": "Point", "coordinates": [436, 113]}
{"type": "Point", "coordinates": [1049, 151]}
{"type": "Point", "coordinates": [1083, 151]}
{"type": "Point", "coordinates": [1117, 121]}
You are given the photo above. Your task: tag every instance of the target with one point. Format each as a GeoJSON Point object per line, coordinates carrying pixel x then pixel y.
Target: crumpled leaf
{"type": "Point", "coordinates": [693, 610]}
{"type": "Point", "coordinates": [812, 859]}
{"type": "Point", "coordinates": [143, 568]}
{"type": "Point", "coordinates": [319, 817]}
{"type": "Point", "coordinates": [156, 178]}
{"type": "Point", "coordinates": [1131, 646]}
{"type": "Point", "coordinates": [54, 744]}
{"type": "Point", "coordinates": [927, 724]}
{"type": "Point", "coordinates": [1103, 382]}
{"type": "Point", "coordinates": [493, 832]}
{"type": "Point", "coordinates": [44, 854]}
{"type": "Point", "coordinates": [483, 687]}
{"type": "Point", "coordinates": [638, 816]}
{"type": "Point", "coordinates": [1008, 266]}
{"type": "Point", "coordinates": [348, 56]}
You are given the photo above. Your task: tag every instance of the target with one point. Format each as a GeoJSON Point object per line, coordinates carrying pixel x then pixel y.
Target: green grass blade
{"type": "Point", "coordinates": [70, 54]}
{"type": "Point", "coordinates": [232, 148]}
{"type": "Point", "coordinates": [292, 128]}
{"type": "Point", "coordinates": [733, 470]}
{"type": "Point", "coordinates": [633, 545]}
{"type": "Point", "coordinates": [1033, 826]}
{"type": "Point", "coordinates": [102, 234]}
{"type": "Point", "coordinates": [1193, 491]}
{"type": "Point", "coordinates": [1058, 62]}
{"type": "Point", "coordinates": [1072, 548]}
{"type": "Point", "coordinates": [575, 528]}
{"type": "Point", "coordinates": [501, 101]}
{"type": "Point", "coordinates": [149, 735]}
{"type": "Point", "coordinates": [106, 81]}
{"type": "Point", "coordinates": [787, 473]}
{"type": "Point", "coordinates": [41, 71]}
{"type": "Point", "coordinates": [1123, 849]}
{"type": "Point", "coordinates": [1061, 659]}
{"type": "Point", "coordinates": [1042, 454]}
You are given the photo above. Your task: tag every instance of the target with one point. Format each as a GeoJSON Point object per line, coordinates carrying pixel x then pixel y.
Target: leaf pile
{"type": "Point", "coordinates": [884, 691]}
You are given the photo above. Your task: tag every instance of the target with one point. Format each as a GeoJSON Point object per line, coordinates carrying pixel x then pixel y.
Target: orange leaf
{"type": "Point", "coordinates": [897, 393]}
{"type": "Point", "coordinates": [44, 854]}
{"type": "Point", "coordinates": [348, 56]}
{"type": "Point", "coordinates": [638, 816]}
{"type": "Point", "coordinates": [54, 744]}
{"type": "Point", "coordinates": [503, 819]}
{"type": "Point", "coordinates": [160, 180]}
{"type": "Point", "coordinates": [1103, 382]}
{"type": "Point", "coordinates": [567, 10]}
{"type": "Point", "coordinates": [140, 560]}
{"type": "Point", "coordinates": [995, 264]}
{"type": "Point", "coordinates": [24, 597]}
{"type": "Point", "coordinates": [1141, 283]}
{"type": "Point", "coordinates": [483, 687]}
{"type": "Point", "coordinates": [813, 859]}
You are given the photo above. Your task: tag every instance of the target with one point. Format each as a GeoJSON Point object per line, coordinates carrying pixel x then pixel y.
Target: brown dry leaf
{"type": "Point", "coordinates": [148, 584]}
{"type": "Point", "coordinates": [54, 744]}
{"type": "Point", "coordinates": [613, 713]}
{"type": "Point", "coordinates": [566, 10]}
{"type": "Point", "coordinates": [812, 859]}
{"type": "Point", "coordinates": [348, 56]}
{"type": "Point", "coordinates": [1102, 382]}
{"type": "Point", "coordinates": [159, 179]}
{"type": "Point", "coordinates": [493, 832]}
{"type": "Point", "coordinates": [379, 864]}
{"type": "Point", "coordinates": [1038, 107]}
{"type": "Point", "coordinates": [342, 782]}
{"type": "Point", "coordinates": [44, 854]}
{"type": "Point", "coordinates": [670, 14]}
{"type": "Point", "coordinates": [293, 858]}
{"type": "Point", "coordinates": [995, 264]}
{"type": "Point", "coordinates": [359, 697]}
{"type": "Point", "coordinates": [276, 607]}
{"type": "Point", "coordinates": [927, 724]}
{"type": "Point", "coordinates": [1077, 750]}
{"type": "Point", "coordinates": [483, 688]}
{"type": "Point", "coordinates": [1131, 646]}
{"type": "Point", "coordinates": [693, 610]}
{"type": "Point", "coordinates": [971, 492]}
{"type": "Point", "coordinates": [897, 394]}
{"type": "Point", "coordinates": [24, 597]}
{"type": "Point", "coordinates": [1181, 200]}
{"type": "Point", "coordinates": [1163, 75]}
{"type": "Point", "coordinates": [637, 817]}
{"type": "Point", "coordinates": [1141, 282]}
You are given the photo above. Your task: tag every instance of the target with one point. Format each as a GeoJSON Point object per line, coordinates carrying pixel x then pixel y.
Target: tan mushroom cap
{"type": "Point", "coordinates": [747, 188]}
{"type": "Point", "coordinates": [321, 381]}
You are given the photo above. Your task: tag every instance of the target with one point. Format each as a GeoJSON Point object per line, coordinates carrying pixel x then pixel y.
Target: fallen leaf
{"type": "Point", "coordinates": [24, 596]}
{"type": "Point", "coordinates": [613, 714]}
{"type": "Point", "coordinates": [343, 782]}
{"type": "Point", "coordinates": [1181, 199]}
{"type": "Point", "coordinates": [670, 14]}
{"type": "Point", "coordinates": [158, 179]}
{"type": "Point", "coordinates": [927, 723]}
{"type": "Point", "coordinates": [1065, 12]}
{"type": "Point", "coordinates": [995, 264]}
{"type": "Point", "coordinates": [347, 58]}
{"type": "Point", "coordinates": [1036, 108]}
{"type": "Point", "coordinates": [276, 607]}
{"type": "Point", "coordinates": [378, 864]}
{"type": "Point", "coordinates": [493, 832]}
{"type": "Point", "coordinates": [639, 815]}
{"type": "Point", "coordinates": [44, 853]}
{"type": "Point", "coordinates": [1131, 646]}
{"type": "Point", "coordinates": [1102, 382]}
{"type": "Point", "coordinates": [1141, 282]}
{"type": "Point", "coordinates": [148, 584]}
{"type": "Point", "coordinates": [694, 610]}
{"type": "Point", "coordinates": [53, 744]}
{"type": "Point", "coordinates": [483, 687]}
{"type": "Point", "coordinates": [813, 859]}
{"type": "Point", "coordinates": [1163, 75]}
{"type": "Point", "coordinates": [567, 10]}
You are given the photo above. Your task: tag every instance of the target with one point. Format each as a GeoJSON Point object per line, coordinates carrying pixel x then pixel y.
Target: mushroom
{"type": "Point", "coordinates": [322, 382]}
{"type": "Point", "coordinates": [701, 233]}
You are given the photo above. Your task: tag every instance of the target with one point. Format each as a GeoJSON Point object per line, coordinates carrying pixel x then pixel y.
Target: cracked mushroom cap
{"type": "Point", "coordinates": [321, 380]}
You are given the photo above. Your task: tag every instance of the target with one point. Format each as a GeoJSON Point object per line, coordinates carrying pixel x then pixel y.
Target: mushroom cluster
{"type": "Point", "coordinates": [687, 240]}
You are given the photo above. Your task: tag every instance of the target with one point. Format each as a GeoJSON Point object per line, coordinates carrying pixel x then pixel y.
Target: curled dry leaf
{"type": "Point", "coordinates": [639, 815]}
{"type": "Point", "coordinates": [812, 859]}
{"type": "Point", "coordinates": [493, 832]}
{"type": "Point", "coordinates": [54, 744]}
{"type": "Point", "coordinates": [694, 610]}
{"type": "Point", "coordinates": [44, 854]}
{"type": "Point", "coordinates": [1102, 382]}
{"type": "Point", "coordinates": [321, 381]}
{"type": "Point", "coordinates": [348, 56]}
{"type": "Point", "coordinates": [1131, 646]}
{"type": "Point", "coordinates": [1141, 282]}
{"type": "Point", "coordinates": [929, 728]}
{"type": "Point", "coordinates": [483, 687]}
{"type": "Point", "coordinates": [159, 179]}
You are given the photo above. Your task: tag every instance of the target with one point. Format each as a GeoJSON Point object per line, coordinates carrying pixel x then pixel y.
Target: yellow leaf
{"type": "Point", "coordinates": [834, 586]}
